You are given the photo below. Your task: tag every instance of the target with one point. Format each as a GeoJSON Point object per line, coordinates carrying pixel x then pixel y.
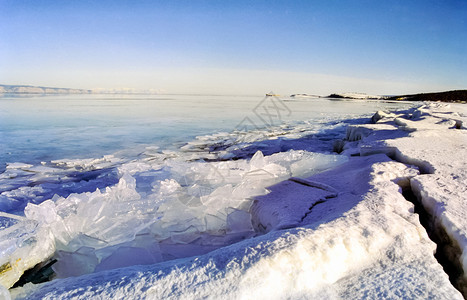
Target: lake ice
{"type": "Point", "coordinates": [118, 182]}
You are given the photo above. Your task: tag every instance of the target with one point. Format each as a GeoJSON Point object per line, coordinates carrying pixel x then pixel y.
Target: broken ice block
{"type": "Point", "coordinates": [238, 221]}
{"type": "Point", "coordinates": [257, 161]}
{"type": "Point", "coordinates": [19, 247]}
{"type": "Point", "coordinates": [80, 262]}
{"type": "Point", "coordinates": [4, 293]}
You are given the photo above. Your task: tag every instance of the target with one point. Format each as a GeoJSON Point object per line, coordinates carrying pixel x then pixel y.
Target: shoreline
{"type": "Point", "coordinates": [348, 225]}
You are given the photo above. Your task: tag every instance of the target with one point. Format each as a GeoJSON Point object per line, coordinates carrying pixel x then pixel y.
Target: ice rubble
{"type": "Point", "coordinates": [365, 242]}
{"type": "Point", "coordinates": [179, 208]}
{"type": "Point", "coordinates": [23, 183]}
{"type": "Point", "coordinates": [67, 178]}
{"type": "Point", "coordinates": [349, 232]}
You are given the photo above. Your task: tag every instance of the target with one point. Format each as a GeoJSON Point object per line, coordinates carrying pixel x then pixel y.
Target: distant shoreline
{"type": "Point", "coordinates": [39, 90]}
{"type": "Point", "coordinates": [455, 96]}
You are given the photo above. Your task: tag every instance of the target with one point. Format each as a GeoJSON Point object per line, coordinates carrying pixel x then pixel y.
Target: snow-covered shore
{"type": "Point", "coordinates": [344, 233]}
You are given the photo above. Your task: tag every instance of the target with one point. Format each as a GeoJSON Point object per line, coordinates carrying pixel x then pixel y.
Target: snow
{"type": "Point", "coordinates": [345, 232]}
{"type": "Point", "coordinates": [291, 225]}
{"type": "Point", "coordinates": [434, 138]}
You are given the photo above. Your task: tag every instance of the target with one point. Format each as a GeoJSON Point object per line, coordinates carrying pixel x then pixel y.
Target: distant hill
{"type": "Point", "coordinates": [354, 96]}
{"type": "Point", "coordinates": [449, 96]}
{"type": "Point", "coordinates": [28, 89]}
{"type": "Point", "coordinates": [304, 96]}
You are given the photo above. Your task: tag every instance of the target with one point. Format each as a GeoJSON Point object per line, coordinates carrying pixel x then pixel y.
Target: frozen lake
{"type": "Point", "coordinates": [113, 181]}
{"type": "Point", "coordinates": [44, 128]}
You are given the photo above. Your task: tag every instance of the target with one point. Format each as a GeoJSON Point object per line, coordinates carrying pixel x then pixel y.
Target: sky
{"type": "Point", "coordinates": [236, 47]}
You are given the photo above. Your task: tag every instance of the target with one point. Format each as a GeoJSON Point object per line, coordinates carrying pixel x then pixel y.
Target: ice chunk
{"type": "Point", "coordinates": [356, 132]}
{"type": "Point", "coordinates": [168, 186]}
{"type": "Point", "coordinates": [18, 166]}
{"type": "Point", "coordinates": [238, 221]}
{"type": "Point", "coordinates": [186, 236]}
{"type": "Point", "coordinates": [127, 256]}
{"type": "Point", "coordinates": [83, 240]}
{"type": "Point", "coordinates": [22, 245]}
{"type": "Point", "coordinates": [80, 262]}
{"type": "Point", "coordinates": [214, 223]}
{"type": "Point", "coordinates": [4, 293]}
{"type": "Point", "coordinates": [316, 163]}
{"type": "Point", "coordinates": [381, 115]}
{"type": "Point", "coordinates": [257, 161]}
{"type": "Point", "coordinates": [45, 213]}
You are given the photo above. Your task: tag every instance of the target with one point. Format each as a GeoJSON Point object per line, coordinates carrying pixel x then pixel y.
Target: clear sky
{"type": "Point", "coordinates": [236, 47]}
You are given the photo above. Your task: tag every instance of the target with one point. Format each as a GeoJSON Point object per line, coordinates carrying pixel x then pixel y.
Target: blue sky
{"type": "Point", "coordinates": [236, 47]}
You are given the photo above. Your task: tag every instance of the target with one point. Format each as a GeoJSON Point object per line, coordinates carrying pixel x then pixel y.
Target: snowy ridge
{"type": "Point", "coordinates": [343, 233]}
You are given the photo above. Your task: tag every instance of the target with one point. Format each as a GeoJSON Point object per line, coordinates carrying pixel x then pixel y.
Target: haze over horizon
{"type": "Point", "coordinates": [236, 47]}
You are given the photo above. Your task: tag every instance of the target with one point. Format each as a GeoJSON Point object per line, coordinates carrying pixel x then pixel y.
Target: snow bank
{"type": "Point", "coordinates": [434, 138]}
